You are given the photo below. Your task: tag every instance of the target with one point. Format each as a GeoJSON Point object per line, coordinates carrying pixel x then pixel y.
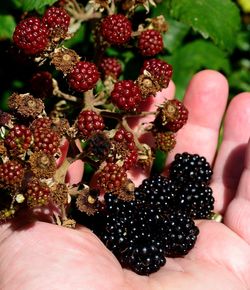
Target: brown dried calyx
{"type": "Point", "coordinates": [167, 113]}
{"type": "Point", "coordinates": [42, 165]}
{"type": "Point", "coordinates": [60, 194]}
{"type": "Point", "coordinates": [158, 23]}
{"type": "Point", "coordinates": [25, 105]}
{"type": "Point", "coordinates": [126, 192]}
{"type": "Point", "coordinates": [87, 201]}
{"type": "Point", "coordinates": [148, 85]}
{"type": "Point", "coordinates": [64, 59]}
{"type": "Point", "coordinates": [130, 5]}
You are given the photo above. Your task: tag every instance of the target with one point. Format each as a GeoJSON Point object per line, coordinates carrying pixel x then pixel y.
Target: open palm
{"type": "Point", "coordinates": [45, 256]}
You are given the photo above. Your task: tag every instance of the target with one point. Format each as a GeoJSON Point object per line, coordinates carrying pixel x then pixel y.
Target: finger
{"type": "Point", "coordinates": [237, 215]}
{"type": "Point", "coordinates": [75, 172]}
{"type": "Point", "coordinates": [205, 99]}
{"type": "Point", "coordinates": [229, 163]}
{"type": "Point", "coordinates": [64, 150]}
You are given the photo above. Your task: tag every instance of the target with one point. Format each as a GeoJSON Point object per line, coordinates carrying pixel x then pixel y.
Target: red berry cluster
{"type": "Point", "coordinates": [32, 34]}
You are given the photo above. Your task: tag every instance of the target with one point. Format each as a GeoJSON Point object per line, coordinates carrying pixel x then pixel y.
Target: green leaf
{"type": "Point", "coordinates": [174, 36]}
{"type": "Point", "coordinates": [194, 56]}
{"type": "Point", "coordinates": [163, 8]}
{"type": "Point", "coordinates": [7, 24]}
{"type": "Point", "coordinates": [28, 5]}
{"type": "Point", "coordinates": [217, 19]}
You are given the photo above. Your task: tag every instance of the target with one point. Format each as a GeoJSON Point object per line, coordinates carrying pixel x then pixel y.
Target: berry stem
{"type": "Point", "coordinates": [78, 13]}
{"type": "Point", "coordinates": [127, 128]}
{"type": "Point", "coordinates": [57, 92]}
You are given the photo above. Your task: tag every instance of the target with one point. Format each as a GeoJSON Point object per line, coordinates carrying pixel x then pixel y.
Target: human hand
{"type": "Point", "coordinates": [45, 256]}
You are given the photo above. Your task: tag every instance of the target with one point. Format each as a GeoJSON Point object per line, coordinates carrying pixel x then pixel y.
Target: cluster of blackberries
{"type": "Point", "coordinates": [158, 222]}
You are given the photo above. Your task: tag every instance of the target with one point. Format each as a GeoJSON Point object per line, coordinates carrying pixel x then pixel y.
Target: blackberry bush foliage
{"type": "Point", "coordinates": [84, 107]}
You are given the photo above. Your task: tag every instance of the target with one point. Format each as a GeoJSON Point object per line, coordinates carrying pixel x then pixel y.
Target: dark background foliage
{"type": "Point", "coordinates": [203, 34]}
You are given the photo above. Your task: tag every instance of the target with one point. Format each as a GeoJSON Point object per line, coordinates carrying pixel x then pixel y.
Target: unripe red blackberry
{"type": "Point", "coordinates": [116, 29]}
{"type": "Point", "coordinates": [172, 116]}
{"type": "Point", "coordinates": [150, 42]}
{"type": "Point", "coordinates": [11, 174]}
{"type": "Point", "coordinates": [37, 193]}
{"type": "Point", "coordinates": [159, 69]}
{"type": "Point", "coordinates": [56, 17]}
{"type": "Point", "coordinates": [126, 95]}
{"type": "Point", "coordinates": [111, 178]}
{"type": "Point", "coordinates": [110, 66]}
{"type": "Point", "coordinates": [89, 122]}
{"type": "Point", "coordinates": [164, 141]}
{"type": "Point", "coordinates": [41, 85]}
{"type": "Point", "coordinates": [83, 77]}
{"type": "Point", "coordinates": [19, 139]}
{"type": "Point", "coordinates": [31, 35]}
{"type": "Point", "coordinates": [46, 140]}
{"type": "Point", "coordinates": [40, 123]}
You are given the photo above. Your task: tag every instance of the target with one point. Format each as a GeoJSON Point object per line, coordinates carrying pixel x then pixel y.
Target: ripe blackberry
{"type": "Point", "coordinates": [196, 199]}
{"type": "Point", "coordinates": [123, 149]}
{"type": "Point", "coordinates": [132, 233]}
{"type": "Point", "coordinates": [89, 122]}
{"type": "Point", "coordinates": [42, 79]}
{"type": "Point", "coordinates": [110, 66]}
{"type": "Point", "coordinates": [110, 178]}
{"type": "Point", "coordinates": [172, 116]}
{"type": "Point", "coordinates": [11, 174]}
{"type": "Point", "coordinates": [116, 29]}
{"type": "Point", "coordinates": [190, 167]}
{"type": "Point", "coordinates": [181, 234]}
{"type": "Point", "coordinates": [150, 42]}
{"type": "Point", "coordinates": [55, 18]}
{"type": "Point", "coordinates": [143, 259]}
{"type": "Point", "coordinates": [41, 123]}
{"type": "Point", "coordinates": [31, 35]}
{"type": "Point", "coordinates": [19, 139]}
{"type": "Point", "coordinates": [157, 191]}
{"type": "Point", "coordinates": [46, 140]}
{"type": "Point", "coordinates": [159, 69]}
{"type": "Point", "coordinates": [83, 76]}
{"type": "Point", "coordinates": [126, 95]}
{"type": "Point", "coordinates": [37, 193]}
